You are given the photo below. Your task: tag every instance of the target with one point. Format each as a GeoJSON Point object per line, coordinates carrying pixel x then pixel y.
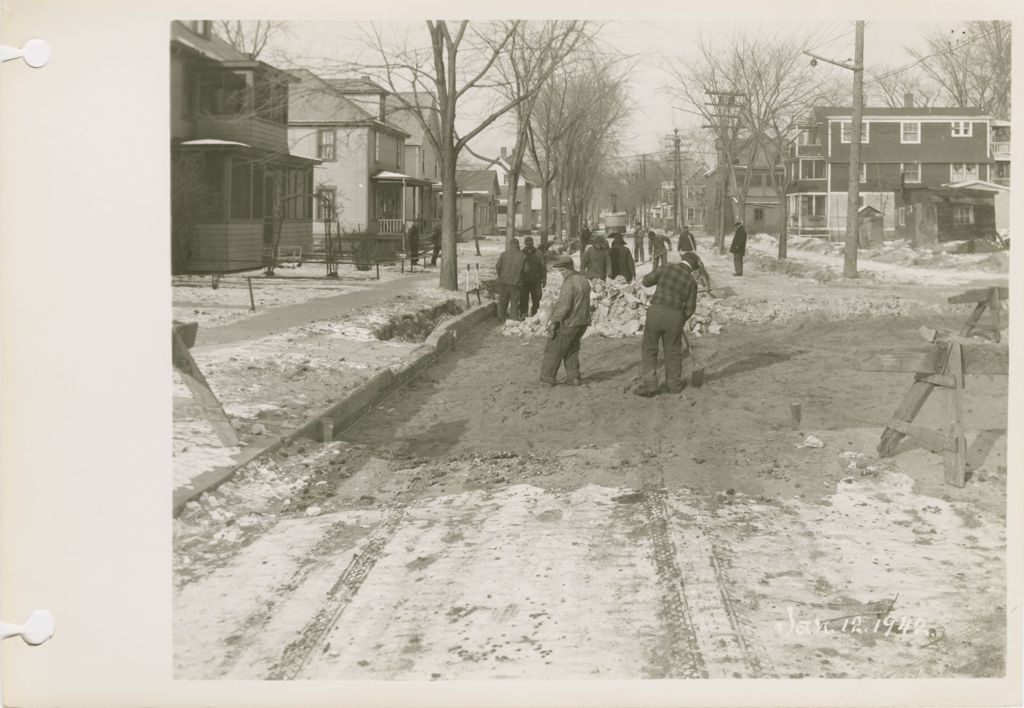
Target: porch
{"type": "Point", "coordinates": [399, 201]}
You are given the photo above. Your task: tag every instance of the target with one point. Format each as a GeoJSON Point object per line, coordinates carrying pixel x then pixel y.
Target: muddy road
{"type": "Point", "coordinates": [479, 526]}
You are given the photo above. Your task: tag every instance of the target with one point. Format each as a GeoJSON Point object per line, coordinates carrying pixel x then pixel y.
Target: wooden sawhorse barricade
{"type": "Point", "coordinates": [986, 298]}
{"type": "Point", "coordinates": [944, 364]}
{"type": "Point", "coordinates": [183, 336]}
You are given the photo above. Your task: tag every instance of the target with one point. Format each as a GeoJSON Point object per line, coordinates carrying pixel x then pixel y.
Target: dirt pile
{"type": "Point", "coordinates": [617, 309]}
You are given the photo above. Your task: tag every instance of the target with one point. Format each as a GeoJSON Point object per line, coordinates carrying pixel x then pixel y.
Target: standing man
{"type": "Point", "coordinates": [659, 250]}
{"type": "Point", "coordinates": [738, 247]}
{"type": "Point", "coordinates": [510, 279]}
{"type": "Point", "coordinates": [534, 279]}
{"type": "Point", "coordinates": [638, 245]}
{"type": "Point", "coordinates": [686, 241]}
{"type": "Point", "coordinates": [414, 243]}
{"type": "Point", "coordinates": [585, 236]}
{"type": "Point", "coordinates": [435, 237]}
{"type": "Point", "coordinates": [622, 261]}
{"type": "Point", "coordinates": [673, 303]}
{"type": "Point", "coordinates": [570, 318]}
{"type": "Point", "coordinates": [594, 262]}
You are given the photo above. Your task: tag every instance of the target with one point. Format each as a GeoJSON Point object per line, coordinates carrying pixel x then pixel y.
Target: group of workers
{"type": "Point", "coordinates": [675, 274]}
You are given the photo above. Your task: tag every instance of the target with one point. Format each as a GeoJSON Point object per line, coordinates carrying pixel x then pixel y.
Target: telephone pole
{"type": "Point", "coordinates": [856, 122]}
{"type": "Point", "coordinates": [723, 115]}
{"type": "Point", "coordinates": [677, 206]}
{"type": "Point", "coordinates": [643, 191]}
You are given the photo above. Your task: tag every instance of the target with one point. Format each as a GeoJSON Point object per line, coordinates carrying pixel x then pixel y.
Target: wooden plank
{"type": "Point", "coordinates": [978, 359]}
{"type": "Point", "coordinates": [995, 305]}
{"type": "Point", "coordinates": [979, 310]}
{"type": "Point", "coordinates": [978, 296]}
{"type": "Point", "coordinates": [187, 331]}
{"type": "Point", "coordinates": [193, 377]}
{"type": "Point", "coordinates": [932, 439]}
{"type": "Point", "coordinates": [955, 458]}
{"type": "Point", "coordinates": [912, 401]}
{"type": "Point", "coordinates": [937, 380]}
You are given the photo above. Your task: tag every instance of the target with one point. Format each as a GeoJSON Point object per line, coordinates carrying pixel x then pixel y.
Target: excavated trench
{"type": "Point", "coordinates": [417, 326]}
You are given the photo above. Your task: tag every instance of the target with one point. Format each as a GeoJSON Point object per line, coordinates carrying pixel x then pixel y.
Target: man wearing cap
{"type": "Point", "coordinates": [534, 279]}
{"type": "Point", "coordinates": [738, 247]}
{"type": "Point", "coordinates": [674, 301]}
{"type": "Point", "coordinates": [570, 318]}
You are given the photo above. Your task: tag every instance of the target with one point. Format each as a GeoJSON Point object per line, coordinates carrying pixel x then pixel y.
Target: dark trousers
{"type": "Point", "coordinates": [414, 251]}
{"type": "Point", "coordinates": [529, 298]}
{"type": "Point", "coordinates": [437, 251]}
{"type": "Point", "coordinates": [638, 252]}
{"type": "Point", "coordinates": [508, 301]}
{"type": "Point", "coordinates": [564, 348]}
{"type": "Point", "coordinates": [659, 260]}
{"type": "Point", "coordinates": [664, 325]}
{"type": "Point", "coordinates": [737, 262]}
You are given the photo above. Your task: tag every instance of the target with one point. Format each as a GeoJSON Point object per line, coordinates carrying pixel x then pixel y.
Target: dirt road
{"type": "Point", "coordinates": [479, 526]}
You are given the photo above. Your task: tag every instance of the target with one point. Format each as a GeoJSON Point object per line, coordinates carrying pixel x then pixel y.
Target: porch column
{"type": "Point", "coordinates": [402, 212]}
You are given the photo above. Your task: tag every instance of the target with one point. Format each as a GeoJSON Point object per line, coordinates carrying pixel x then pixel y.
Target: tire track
{"type": "Point", "coordinates": [685, 657]}
{"type": "Point", "coordinates": [754, 654]}
{"type": "Point", "coordinates": [298, 652]}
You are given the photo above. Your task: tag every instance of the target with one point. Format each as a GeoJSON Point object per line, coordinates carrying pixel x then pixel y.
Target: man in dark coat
{"type": "Point", "coordinates": [638, 244]}
{"type": "Point", "coordinates": [686, 241]}
{"type": "Point", "coordinates": [510, 280]}
{"type": "Point", "coordinates": [413, 237]}
{"type": "Point", "coordinates": [738, 247]}
{"type": "Point", "coordinates": [435, 236]}
{"type": "Point", "coordinates": [594, 262]}
{"type": "Point", "coordinates": [570, 318]}
{"type": "Point", "coordinates": [621, 260]}
{"type": "Point", "coordinates": [585, 236]}
{"type": "Point", "coordinates": [673, 303]}
{"type": "Point", "coordinates": [534, 279]}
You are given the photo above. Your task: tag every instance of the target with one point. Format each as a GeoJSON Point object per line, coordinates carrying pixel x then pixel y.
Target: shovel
{"type": "Point", "coordinates": [719, 292]}
{"type": "Point", "coordinates": [697, 377]}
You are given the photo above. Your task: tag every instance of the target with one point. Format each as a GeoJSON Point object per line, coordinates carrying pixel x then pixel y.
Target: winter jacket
{"type": "Point", "coordinates": [687, 242]}
{"type": "Point", "coordinates": [622, 262]}
{"type": "Point", "coordinates": [595, 260]}
{"type": "Point", "coordinates": [572, 308]}
{"type": "Point", "coordinates": [739, 241]}
{"type": "Point", "coordinates": [510, 266]}
{"type": "Point", "coordinates": [534, 269]}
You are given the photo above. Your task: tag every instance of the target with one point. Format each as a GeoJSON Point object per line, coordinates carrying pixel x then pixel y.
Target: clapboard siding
{"type": "Point", "coordinates": [239, 244]}
{"type": "Point", "coordinates": [257, 132]}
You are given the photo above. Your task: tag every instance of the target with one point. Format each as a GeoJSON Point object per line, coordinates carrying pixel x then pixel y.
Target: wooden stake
{"type": "Point", "coordinates": [955, 458]}
{"type": "Point", "coordinates": [252, 300]}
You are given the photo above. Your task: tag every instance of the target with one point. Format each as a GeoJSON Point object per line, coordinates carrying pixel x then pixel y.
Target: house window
{"type": "Point", "coordinates": [224, 93]}
{"type": "Point", "coordinates": [812, 169]}
{"type": "Point", "coordinates": [758, 213]}
{"type": "Point", "coordinates": [505, 178]}
{"type": "Point", "coordinates": [962, 128]}
{"type": "Point", "coordinates": [325, 140]}
{"type": "Point", "coordinates": [809, 136]}
{"type": "Point", "coordinates": [813, 204]}
{"type": "Point", "coordinates": [963, 172]}
{"type": "Point", "coordinates": [901, 216]}
{"type": "Point", "coordinates": [910, 132]}
{"type": "Point", "coordinates": [911, 171]}
{"type": "Point", "coordinates": [963, 215]}
{"type": "Point", "coordinates": [327, 197]}
{"type": "Point", "coordinates": [847, 131]}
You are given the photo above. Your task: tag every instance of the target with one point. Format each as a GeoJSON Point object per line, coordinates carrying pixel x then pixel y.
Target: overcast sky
{"type": "Point", "coordinates": [653, 42]}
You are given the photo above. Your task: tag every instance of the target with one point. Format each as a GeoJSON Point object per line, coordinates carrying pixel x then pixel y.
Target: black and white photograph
{"type": "Point", "coordinates": [569, 349]}
{"type": "Point", "coordinates": [543, 355]}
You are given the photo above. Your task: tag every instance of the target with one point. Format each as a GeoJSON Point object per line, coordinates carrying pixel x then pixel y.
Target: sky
{"type": "Point", "coordinates": [321, 46]}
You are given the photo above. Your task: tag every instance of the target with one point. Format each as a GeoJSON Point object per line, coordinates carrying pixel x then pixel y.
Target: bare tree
{"type": "Point", "coordinates": [887, 86]}
{"type": "Point", "coordinates": [457, 64]}
{"type": "Point", "coordinates": [972, 64]}
{"type": "Point", "coordinates": [534, 53]}
{"type": "Point", "coordinates": [251, 36]}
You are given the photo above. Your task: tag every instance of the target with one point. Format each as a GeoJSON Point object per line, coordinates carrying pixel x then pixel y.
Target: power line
{"type": "Point", "coordinates": [936, 54]}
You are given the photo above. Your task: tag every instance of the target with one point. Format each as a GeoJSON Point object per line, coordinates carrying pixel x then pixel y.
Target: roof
{"type": "Point", "coordinates": [360, 85]}
{"type": "Point", "coordinates": [213, 48]}
{"type": "Point", "coordinates": [979, 184]}
{"type": "Point", "coordinates": [215, 142]}
{"type": "Point", "coordinates": [475, 180]}
{"type": "Point", "coordinates": [397, 112]}
{"type": "Point", "coordinates": [822, 112]}
{"type": "Point", "coordinates": [388, 176]}
{"type": "Point", "coordinates": [315, 100]}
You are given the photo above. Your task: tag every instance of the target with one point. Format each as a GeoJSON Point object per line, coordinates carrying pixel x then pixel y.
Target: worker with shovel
{"type": "Point", "coordinates": [570, 318]}
{"type": "Point", "coordinates": [674, 301]}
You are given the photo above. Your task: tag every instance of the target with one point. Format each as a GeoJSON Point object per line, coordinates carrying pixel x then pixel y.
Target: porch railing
{"type": "Point", "coordinates": [1001, 149]}
{"type": "Point", "coordinates": [1002, 181]}
{"type": "Point", "coordinates": [391, 227]}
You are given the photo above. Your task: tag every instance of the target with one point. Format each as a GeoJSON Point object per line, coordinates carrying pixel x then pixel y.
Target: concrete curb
{"type": "Point", "coordinates": [356, 403]}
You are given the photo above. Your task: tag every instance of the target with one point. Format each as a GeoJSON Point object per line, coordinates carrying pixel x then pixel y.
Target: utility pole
{"type": "Point", "coordinates": [643, 191]}
{"type": "Point", "coordinates": [856, 122]}
{"type": "Point", "coordinates": [723, 114]}
{"type": "Point", "coordinates": [677, 207]}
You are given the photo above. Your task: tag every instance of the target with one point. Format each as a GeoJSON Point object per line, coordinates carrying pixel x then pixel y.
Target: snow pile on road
{"type": "Point", "coordinates": [617, 309]}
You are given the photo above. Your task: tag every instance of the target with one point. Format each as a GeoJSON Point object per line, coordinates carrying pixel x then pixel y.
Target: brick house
{"type": "Point", "coordinates": [236, 190]}
{"type": "Point", "coordinates": [928, 147]}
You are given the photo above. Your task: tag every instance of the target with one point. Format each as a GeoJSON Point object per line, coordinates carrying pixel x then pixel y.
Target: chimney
{"type": "Point", "coordinates": [504, 152]}
{"type": "Point", "coordinates": [908, 99]}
